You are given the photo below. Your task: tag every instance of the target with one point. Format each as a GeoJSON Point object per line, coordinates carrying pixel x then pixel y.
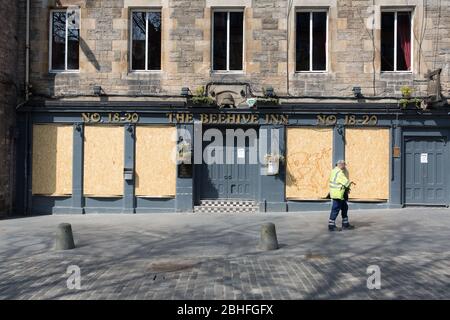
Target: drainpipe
{"type": "Point", "coordinates": [27, 95]}
{"type": "Point", "coordinates": [27, 52]}
{"type": "Point", "coordinates": [288, 14]}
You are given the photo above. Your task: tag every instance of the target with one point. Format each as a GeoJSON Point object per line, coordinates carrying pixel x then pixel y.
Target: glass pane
{"type": "Point", "coordinates": [138, 41]}
{"type": "Point", "coordinates": [387, 41]}
{"type": "Point", "coordinates": [236, 40]}
{"type": "Point", "coordinates": [154, 40]}
{"type": "Point", "coordinates": [319, 41]}
{"type": "Point", "coordinates": [403, 41]}
{"type": "Point", "coordinates": [220, 41]}
{"type": "Point", "coordinates": [302, 41]}
{"type": "Point", "coordinates": [73, 45]}
{"type": "Point", "coordinates": [58, 40]}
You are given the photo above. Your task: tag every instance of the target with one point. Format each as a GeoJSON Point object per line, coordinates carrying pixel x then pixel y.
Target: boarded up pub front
{"type": "Point", "coordinates": [117, 157]}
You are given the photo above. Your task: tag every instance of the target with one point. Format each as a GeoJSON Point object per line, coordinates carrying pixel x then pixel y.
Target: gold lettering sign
{"type": "Point", "coordinates": [111, 117]}
{"type": "Point", "coordinates": [277, 119]}
{"type": "Point", "coordinates": [229, 118]}
{"type": "Point", "coordinates": [349, 120]}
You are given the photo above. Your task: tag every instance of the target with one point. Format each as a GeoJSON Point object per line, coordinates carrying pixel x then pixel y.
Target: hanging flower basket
{"type": "Point", "coordinates": [272, 163]}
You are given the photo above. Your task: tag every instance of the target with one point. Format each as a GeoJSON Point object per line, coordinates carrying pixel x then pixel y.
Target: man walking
{"type": "Point", "coordinates": [339, 189]}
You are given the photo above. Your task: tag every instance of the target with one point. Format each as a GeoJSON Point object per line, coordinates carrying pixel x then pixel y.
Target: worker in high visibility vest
{"type": "Point", "coordinates": [339, 189]}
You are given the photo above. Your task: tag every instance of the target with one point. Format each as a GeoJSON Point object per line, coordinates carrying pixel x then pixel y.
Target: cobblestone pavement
{"type": "Point", "coordinates": [188, 256]}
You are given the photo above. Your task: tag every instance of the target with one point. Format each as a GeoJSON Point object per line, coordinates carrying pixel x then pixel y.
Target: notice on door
{"type": "Point", "coordinates": [424, 158]}
{"type": "Point", "coordinates": [241, 153]}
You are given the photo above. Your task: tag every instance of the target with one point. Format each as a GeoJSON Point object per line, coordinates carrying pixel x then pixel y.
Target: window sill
{"type": "Point", "coordinates": [227, 72]}
{"type": "Point", "coordinates": [396, 72]}
{"type": "Point", "coordinates": [311, 72]}
{"type": "Point", "coordinates": [64, 71]}
{"type": "Point", "coordinates": [145, 71]}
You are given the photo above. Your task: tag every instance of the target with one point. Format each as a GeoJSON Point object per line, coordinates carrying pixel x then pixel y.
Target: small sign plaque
{"type": "Point", "coordinates": [424, 158]}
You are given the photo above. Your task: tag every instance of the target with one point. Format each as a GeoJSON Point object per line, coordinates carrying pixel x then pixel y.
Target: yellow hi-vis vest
{"type": "Point", "coordinates": [338, 183]}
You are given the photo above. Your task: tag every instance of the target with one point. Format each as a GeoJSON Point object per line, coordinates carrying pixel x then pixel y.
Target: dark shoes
{"type": "Point", "coordinates": [348, 226]}
{"type": "Point", "coordinates": [333, 228]}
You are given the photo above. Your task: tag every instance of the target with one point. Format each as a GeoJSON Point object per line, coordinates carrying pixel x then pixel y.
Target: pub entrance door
{"type": "Point", "coordinates": [230, 167]}
{"type": "Point", "coordinates": [426, 171]}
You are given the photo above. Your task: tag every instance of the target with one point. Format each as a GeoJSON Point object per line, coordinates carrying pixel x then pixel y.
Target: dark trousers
{"type": "Point", "coordinates": [339, 205]}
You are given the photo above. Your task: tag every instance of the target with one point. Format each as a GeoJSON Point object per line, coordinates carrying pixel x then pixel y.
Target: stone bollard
{"type": "Point", "coordinates": [268, 240]}
{"type": "Point", "coordinates": [64, 237]}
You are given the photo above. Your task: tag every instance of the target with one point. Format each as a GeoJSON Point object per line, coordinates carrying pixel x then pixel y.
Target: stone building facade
{"type": "Point", "coordinates": [9, 91]}
{"type": "Point", "coordinates": [94, 137]}
{"type": "Point", "coordinates": [353, 48]}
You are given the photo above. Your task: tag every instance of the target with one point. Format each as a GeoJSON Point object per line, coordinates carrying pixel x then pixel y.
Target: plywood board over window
{"type": "Point", "coordinates": [308, 161]}
{"type": "Point", "coordinates": [103, 161]}
{"type": "Point", "coordinates": [155, 162]}
{"type": "Point", "coordinates": [52, 160]}
{"type": "Point", "coordinates": [367, 157]}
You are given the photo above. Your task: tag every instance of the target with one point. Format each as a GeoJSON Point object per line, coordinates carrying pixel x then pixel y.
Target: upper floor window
{"type": "Point", "coordinates": [311, 40]}
{"type": "Point", "coordinates": [65, 40]}
{"type": "Point", "coordinates": [228, 40]}
{"type": "Point", "coordinates": [396, 41]}
{"type": "Point", "coordinates": [146, 40]}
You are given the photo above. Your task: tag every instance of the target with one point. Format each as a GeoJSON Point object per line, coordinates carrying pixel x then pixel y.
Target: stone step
{"type": "Point", "coordinates": [199, 209]}
{"type": "Point", "coordinates": [227, 206]}
{"type": "Point", "coordinates": [227, 202]}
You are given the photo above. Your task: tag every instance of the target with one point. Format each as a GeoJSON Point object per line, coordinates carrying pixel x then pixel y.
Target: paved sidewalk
{"type": "Point", "coordinates": [214, 256]}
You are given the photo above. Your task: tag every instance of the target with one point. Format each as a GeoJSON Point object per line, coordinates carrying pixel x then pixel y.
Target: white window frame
{"type": "Point", "coordinates": [146, 10]}
{"type": "Point", "coordinates": [51, 70]}
{"type": "Point", "coordinates": [396, 10]}
{"type": "Point", "coordinates": [228, 10]}
{"type": "Point", "coordinates": [311, 11]}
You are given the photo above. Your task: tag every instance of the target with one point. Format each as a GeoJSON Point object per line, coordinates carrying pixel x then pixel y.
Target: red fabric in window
{"type": "Point", "coordinates": [405, 41]}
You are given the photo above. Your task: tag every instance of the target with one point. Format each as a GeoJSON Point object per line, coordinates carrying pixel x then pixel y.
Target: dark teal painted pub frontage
{"type": "Point", "coordinates": [416, 168]}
